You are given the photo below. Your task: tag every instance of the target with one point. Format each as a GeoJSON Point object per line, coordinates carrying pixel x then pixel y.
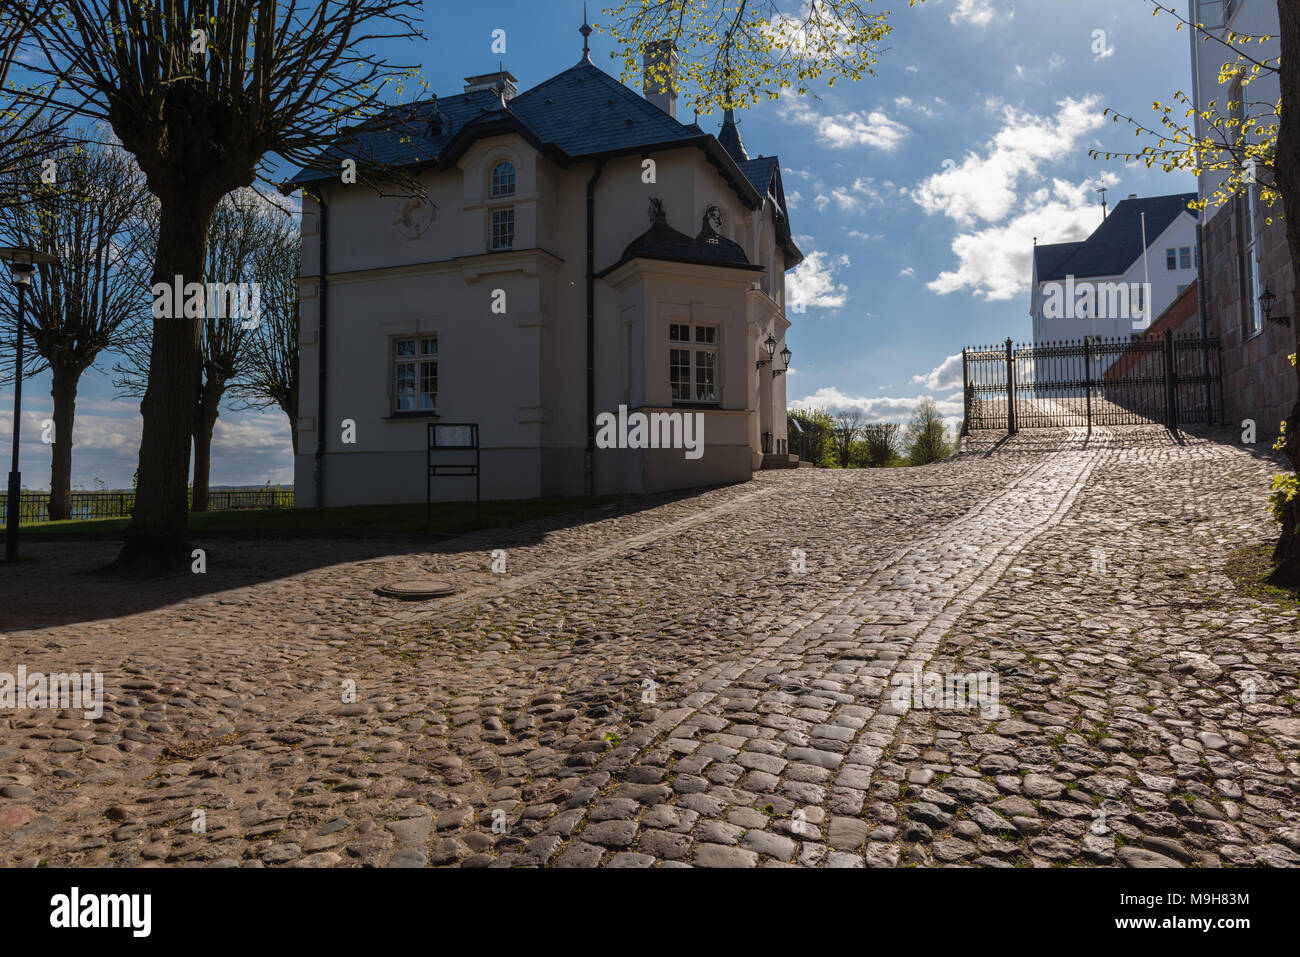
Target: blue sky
{"type": "Point", "coordinates": [915, 194]}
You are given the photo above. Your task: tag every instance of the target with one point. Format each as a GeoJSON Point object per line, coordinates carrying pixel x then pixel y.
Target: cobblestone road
{"type": "Point", "coordinates": [663, 685]}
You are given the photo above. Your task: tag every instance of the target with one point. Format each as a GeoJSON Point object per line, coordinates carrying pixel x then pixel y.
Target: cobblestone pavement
{"type": "Point", "coordinates": [664, 685]}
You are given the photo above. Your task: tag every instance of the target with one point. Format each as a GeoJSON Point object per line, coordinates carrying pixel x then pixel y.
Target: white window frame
{"type": "Point", "coordinates": [1171, 259]}
{"type": "Point", "coordinates": [492, 180]}
{"type": "Point", "coordinates": [416, 362]}
{"type": "Point", "coordinates": [695, 349]}
{"type": "Point", "coordinates": [492, 229]}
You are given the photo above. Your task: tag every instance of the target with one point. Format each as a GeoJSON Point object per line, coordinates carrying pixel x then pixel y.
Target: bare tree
{"type": "Point", "coordinates": [82, 207]}
{"type": "Point", "coordinates": [23, 133]}
{"type": "Point", "coordinates": [882, 443]}
{"type": "Point", "coordinates": [271, 361]}
{"type": "Point", "coordinates": [242, 224]}
{"type": "Point", "coordinates": [848, 426]}
{"type": "Point", "coordinates": [201, 93]}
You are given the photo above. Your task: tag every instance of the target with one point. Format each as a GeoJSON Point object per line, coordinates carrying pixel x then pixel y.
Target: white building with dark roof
{"type": "Point", "coordinates": [582, 254]}
{"type": "Point", "coordinates": [1098, 287]}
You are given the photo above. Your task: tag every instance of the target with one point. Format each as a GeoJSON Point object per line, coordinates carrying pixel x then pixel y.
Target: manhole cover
{"type": "Point", "coordinates": [422, 589]}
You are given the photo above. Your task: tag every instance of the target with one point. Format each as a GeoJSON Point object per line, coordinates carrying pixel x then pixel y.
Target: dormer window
{"type": "Point", "coordinates": [503, 180]}
{"type": "Point", "coordinates": [501, 211]}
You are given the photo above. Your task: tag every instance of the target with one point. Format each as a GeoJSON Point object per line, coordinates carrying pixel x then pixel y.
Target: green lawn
{"type": "Point", "coordinates": [449, 518]}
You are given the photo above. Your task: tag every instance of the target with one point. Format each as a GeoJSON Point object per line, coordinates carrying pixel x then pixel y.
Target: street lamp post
{"type": "Point", "coordinates": [22, 264]}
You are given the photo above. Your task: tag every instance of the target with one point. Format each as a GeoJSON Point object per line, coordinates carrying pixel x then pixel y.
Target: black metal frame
{"type": "Point", "coordinates": [436, 471]}
{"type": "Point", "coordinates": [1165, 380]}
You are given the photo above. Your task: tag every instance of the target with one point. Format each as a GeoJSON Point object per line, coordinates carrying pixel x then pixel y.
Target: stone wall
{"type": "Point", "coordinates": [1258, 380]}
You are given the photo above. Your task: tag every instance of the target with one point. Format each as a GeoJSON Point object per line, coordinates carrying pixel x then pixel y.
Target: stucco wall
{"type": "Point", "coordinates": [522, 375]}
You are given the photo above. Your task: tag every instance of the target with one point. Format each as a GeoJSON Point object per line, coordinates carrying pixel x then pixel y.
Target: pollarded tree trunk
{"type": "Point", "coordinates": [158, 533]}
{"type": "Point", "coordinates": [290, 408]}
{"type": "Point", "coordinates": [1286, 556]}
{"type": "Point", "coordinates": [63, 390]}
{"type": "Point", "coordinates": [205, 423]}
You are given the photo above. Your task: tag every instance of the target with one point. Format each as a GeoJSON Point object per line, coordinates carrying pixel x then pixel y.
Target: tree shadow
{"type": "Point", "coordinates": [64, 582]}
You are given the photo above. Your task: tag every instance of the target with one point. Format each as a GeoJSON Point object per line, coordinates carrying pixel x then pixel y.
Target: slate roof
{"type": "Point", "coordinates": [730, 139]}
{"type": "Point", "coordinates": [580, 114]}
{"type": "Point", "coordinates": [1116, 244]}
{"type": "Point", "coordinates": [1048, 257]}
{"type": "Point", "coordinates": [664, 243]}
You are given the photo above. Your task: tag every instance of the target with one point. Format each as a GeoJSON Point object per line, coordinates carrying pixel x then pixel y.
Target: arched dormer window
{"type": "Point", "coordinates": [501, 210]}
{"type": "Point", "coordinates": [503, 179]}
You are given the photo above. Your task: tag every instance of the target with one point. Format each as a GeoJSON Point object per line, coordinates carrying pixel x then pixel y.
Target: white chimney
{"type": "Point", "coordinates": [1132, 195]}
{"type": "Point", "coordinates": [660, 64]}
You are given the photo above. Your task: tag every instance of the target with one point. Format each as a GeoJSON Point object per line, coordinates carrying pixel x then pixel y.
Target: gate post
{"type": "Point", "coordinates": [1087, 377]}
{"type": "Point", "coordinates": [1218, 373]}
{"type": "Point", "coordinates": [1171, 379]}
{"type": "Point", "coordinates": [1011, 389]}
{"type": "Point", "coordinates": [965, 395]}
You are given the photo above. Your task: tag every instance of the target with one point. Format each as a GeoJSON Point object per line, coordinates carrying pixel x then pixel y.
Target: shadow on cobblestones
{"type": "Point", "coordinates": [67, 581]}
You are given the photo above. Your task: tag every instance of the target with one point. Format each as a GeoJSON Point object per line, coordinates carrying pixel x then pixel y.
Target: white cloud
{"type": "Point", "coordinates": [996, 263]}
{"type": "Point", "coordinates": [872, 129]}
{"type": "Point", "coordinates": [792, 200]}
{"type": "Point", "coordinates": [946, 376]}
{"type": "Point", "coordinates": [862, 193]}
{"type": "Point", "coordinates": [247, 448]}
{"type": "Point", "coordinates": [985, 187]}
{"type": "Point", "coordinates": [874, 409]}
{"type": "Point", "coordinates": [923, 109]}
{"type": "Point", "coordinates": [909, 271]}
{"type": "Point", "coordinates": [813, 284]}
{"type": "Point", "coordinates": [865, 237]}
{"type": "Point", "coordinates": [979, 13]}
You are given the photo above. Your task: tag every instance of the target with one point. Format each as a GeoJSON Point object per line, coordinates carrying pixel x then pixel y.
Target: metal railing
{"type": "Point", "coordinates": [34, 507]}
{"type": "Point", "coordinates": [1163, 380]}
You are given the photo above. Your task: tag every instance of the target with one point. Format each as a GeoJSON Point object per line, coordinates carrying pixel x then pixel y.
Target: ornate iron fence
{"type": "Point", "coordinates": [1160, 380]}
{"type": "Point", "coordinates": [34, 507]}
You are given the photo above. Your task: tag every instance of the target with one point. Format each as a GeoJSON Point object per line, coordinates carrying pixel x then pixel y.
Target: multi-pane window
{"type": "Point", "coordinates": [503, 179]}
{"type": "Point", "coordinates": [503, 229]}
{"type": "Point", "coordinates": [693, 362]}
{"type": "Point", "coordinates": [1178, 258]}
{"type": "Point", "coordinates": [415, 374]}
{"type": "Point", "coordinates": [1171, 259]}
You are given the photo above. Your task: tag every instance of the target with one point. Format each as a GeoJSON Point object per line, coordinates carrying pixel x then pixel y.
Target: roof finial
{"type": "Point", "coordinates": [585, 30]}
{"type": "Point", "coordinates": [729, 136]}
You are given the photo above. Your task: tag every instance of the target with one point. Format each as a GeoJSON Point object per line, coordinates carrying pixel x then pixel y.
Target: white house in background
{"type": "Point", "coordinates": [1098, 287]}
{"type": "Point", "coordinates": [575, 216]}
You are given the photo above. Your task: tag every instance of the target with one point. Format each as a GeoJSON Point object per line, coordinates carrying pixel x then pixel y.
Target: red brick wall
{"type": "Point", "coordinates": [1258, 380]}
{"type": "Point", "coordinates": [1182, 317]}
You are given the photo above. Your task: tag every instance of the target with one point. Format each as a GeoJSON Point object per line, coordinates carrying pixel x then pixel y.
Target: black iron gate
{"type": "Point", "coordinates": [1162, 380]}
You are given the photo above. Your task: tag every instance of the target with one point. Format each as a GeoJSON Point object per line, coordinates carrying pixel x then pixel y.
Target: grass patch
{"type": "Point", "coordinates": [448, 518]}
{"type": "Point", "coordinates": [1249, 567]}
